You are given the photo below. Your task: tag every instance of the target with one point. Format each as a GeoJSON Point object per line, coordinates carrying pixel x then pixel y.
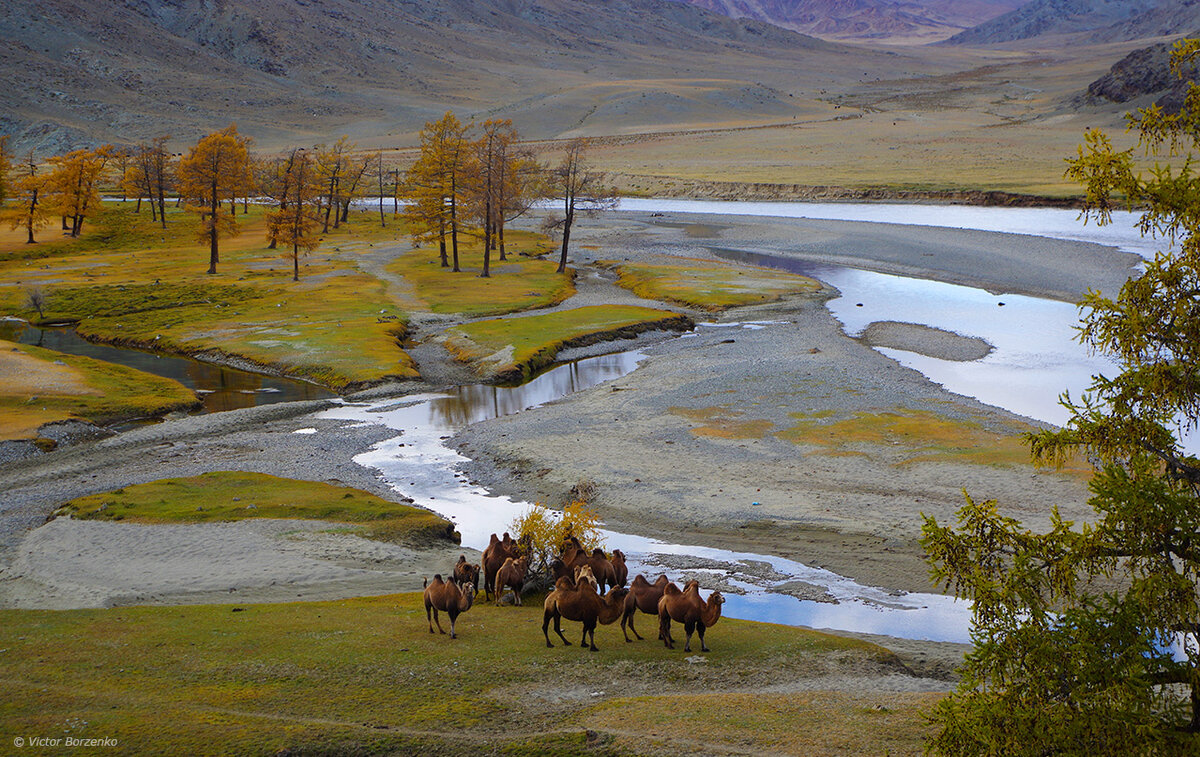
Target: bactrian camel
{"type": "Point", "coordinates": [466, 573]}
{"type": "Point", "coordinates": [497, 551]}
{"type": "Point", "coordinates": [449, 598]}
{"type": "Point", "coordinates": [584, 605]}
{"type": "Point", "coordinates": [687, 608]}
{"type": "Point", "coordinates": [512, 574]}
{"type": "Point", "coordinates": [642, 596]}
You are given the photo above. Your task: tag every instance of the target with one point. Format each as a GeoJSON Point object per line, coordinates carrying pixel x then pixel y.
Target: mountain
{"type": "Point", "coordinates": [886, 20]}
{"type": "Point", "coordinates": [74, 71]}
{"type": "Point", "coordinates": [1144, 72]}
{"type": "Point", "coordinates": [1086, 21]}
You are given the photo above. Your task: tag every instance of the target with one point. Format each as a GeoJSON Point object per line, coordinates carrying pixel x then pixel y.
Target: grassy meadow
{"type": "Point", "coordinates": [365, 676]}
{"type": "Point", "coordinates": [710, 287]}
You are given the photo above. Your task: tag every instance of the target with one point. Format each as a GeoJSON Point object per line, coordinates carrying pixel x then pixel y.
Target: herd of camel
{"type": "Point", "coordinates": [578, 595]}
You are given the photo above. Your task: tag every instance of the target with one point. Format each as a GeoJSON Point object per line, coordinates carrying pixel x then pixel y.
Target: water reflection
{"type": "Point", "coordinates": [220, 388]}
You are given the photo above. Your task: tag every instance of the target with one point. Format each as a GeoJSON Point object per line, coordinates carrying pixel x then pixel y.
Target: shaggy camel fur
{"type": "Point", "coordinates": [497, 551]}
{"type": "Point", "coordinates": [687, 608]}
{"type": "Point", "coordinates": [466, 573]}
{"type": "Point", "coordinates": [574, 556]}
{"type": "Point", "coordinates": [572, 575]}
{"type": "Point", "coordinates": [618, 563]}
{"type": "Point", "coordinates": [581, 604]}
{"type": "Point", "coordinates": [512, 574]}
{"type": "Point", "coordinates": [448, 597]}
{"type": "Point", "coordinates": [643, 596]}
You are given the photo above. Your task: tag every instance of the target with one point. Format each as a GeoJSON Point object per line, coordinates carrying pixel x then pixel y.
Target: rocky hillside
{"type": "Point", "coordinates": [1143, 73]}
{"type": "Point", "coordinates": [1086, 21]}
{"type": "Point", "coordinates": [73, 71]}
{"type": "Point", "coordinates": [889, 20]}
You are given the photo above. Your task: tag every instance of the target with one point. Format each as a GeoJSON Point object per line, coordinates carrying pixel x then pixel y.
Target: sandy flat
{"type": "Point", "coordinates": [23, 374]}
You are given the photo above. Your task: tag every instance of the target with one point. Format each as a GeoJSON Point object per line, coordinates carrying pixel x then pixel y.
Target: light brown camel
{"type": "Point", "coordinates": [687, 608]}
{"type": "Point", "coordinates": [497, 551]}
{"type": "Point", "coordinates": [643, 596]}
{"type": "Point", "coordinates": [618, 563]}
{"type": "Point", "coordinates": [581, 604]}
{"type": "Point", "coordinates": [466, 573]}
{"type": "Point", "coordinates": [512, 574]}
{"type": "Point", "coordinates": [449, 598]}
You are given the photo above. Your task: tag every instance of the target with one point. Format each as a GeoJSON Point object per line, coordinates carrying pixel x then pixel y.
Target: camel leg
{"type": "Point", "coordinates": [590, 631]}
{"type": "Point", "coordinates": [628, 618]}
{"type": "Point", "coordinates": [517, 595]}
{"type": "Point", "coordinates": [700, 631]}
{"type": "Point", "coordinates": [546, 628]}
{"type": "Point", "coordinates": [558, 630]}
{"type": "Point", "coordinates": [435, 620]}
{"type": "Point", "coordinates": [452, 619]}
{"type": "Point", "coordinates": [664, 631]}
{"type": "Point", "coordinates": [429, 616]}
{"type": "Point", "coordinates": [689, 627]}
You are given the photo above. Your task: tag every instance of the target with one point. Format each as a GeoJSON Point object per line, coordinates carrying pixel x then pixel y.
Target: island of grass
{"type": "Point", "coordinates": [511, 349]}
{"type": "Point", "coordinates": [40, 386]}
{"type": "Point", "coordinates": [129, 282]}
{"type": "Point", "coordinates": [365, 676]}
{"type": "Point", "coordinates": [237, 495]}
{"type": "Point", "coordinates": [522, 282]}
{"type": "Point", "coordinates": [708, 286]}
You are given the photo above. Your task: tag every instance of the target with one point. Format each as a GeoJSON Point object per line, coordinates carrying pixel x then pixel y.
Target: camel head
{"type": "Point", "coordinates": [584, 573]}
{"type": "Point", "coordinates": [712, 609]}
{"type": "Point", "coordinates": [468, 597]}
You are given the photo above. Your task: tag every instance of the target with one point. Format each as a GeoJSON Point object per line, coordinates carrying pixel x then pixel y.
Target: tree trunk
{"type": "Point", "coordinates": [500, 237]}
{"type": "Point", "coordinates": [295, 261]}
{"type": "Point", "coordinates": [215, 207]}
{"type": "Point", "coordinates": [562, 259]}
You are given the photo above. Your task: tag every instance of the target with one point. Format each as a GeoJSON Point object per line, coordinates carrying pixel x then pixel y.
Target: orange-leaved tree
{"type": "Point", "coordinates": [581, 189]}
{"type": "Point", "coordinates": [294, 222]}
{"type": "Point", "coordinates": [214, 169]}
{"type": "Point", "coordinates": [74, 183]}
{"type": "Point", "coordinates": [437, 185]}
{"type": "Point", "coordinates": [28, 189]}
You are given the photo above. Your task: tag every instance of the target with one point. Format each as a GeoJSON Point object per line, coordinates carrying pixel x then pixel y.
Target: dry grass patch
{"type": "Point", "coordinates": [512, 348]}
{"type": "Point", "coordinates": [129, 282]}
{"type": "Point", "coordinates": [710, 287]}
{"type": "Point", "coordinates": [522, 282]}
{"type": "Point", "coordinates": [723, 423]}
{"type": "Point", "coordinates": [39, 386]}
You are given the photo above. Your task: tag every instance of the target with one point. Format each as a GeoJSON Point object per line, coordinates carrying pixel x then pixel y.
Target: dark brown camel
{"type": "Point", "coordinates": [449, 598]}
{"type": "Point", "coordinates": [618, 563]}
{"type": "Point", "coordinates": [466, 573]}
{"type": "Point", "coordinates": [497, 551]}
{"type": "Point", "coordinates": [574, 556]}
{"type": "Point", "coordinates": [581, 604]}
{"type": "Point", "coordinates": [643, 596]}
{"type": "Point", "coordinates": [512, 574]}
{"type": "Point", "coordinates": [687, 608]}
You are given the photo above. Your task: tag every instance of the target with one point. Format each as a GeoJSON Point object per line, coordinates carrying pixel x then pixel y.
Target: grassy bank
{"type": "Point", "coordinates": [236, 495]}
{"type": "Point", "coordinates": [129, 282]}
{"type": "Point", "coordinates": [710, 287]}
{"type": "Point", "coordinates": [365, 676]}
{"type": "Point", "coordinates": [511, 348]}
{"type": "Point", "coordinates": [39, 386]}
{"type": "Point", "coordinates": [522, 282]}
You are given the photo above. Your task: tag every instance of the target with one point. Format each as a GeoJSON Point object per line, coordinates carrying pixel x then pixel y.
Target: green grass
{"type": "Point", "coordinates": [511, 348]}
{"type": "Point", "coordinates": [710, 287]}
{"type": "Point", "coordinates": [364, 676]}
{"type": "Point", "coordinates": [522, 282]}
{"type": "Point", "coordinates": [128, 282]}
{"type": "Point", "coordinates": [97, 391]}
{"type": "Point", "coordinates": [235, 495]}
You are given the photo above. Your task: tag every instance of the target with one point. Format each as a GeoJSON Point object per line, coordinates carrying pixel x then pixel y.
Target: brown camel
{"type": "Point", "coordinates": [618, 562]}
{"type": "Point", "coordinates": [643, 596]}
{"type": "Point", "coordinates": [497, 551]}
{"type": "Point", "coordinates": [574, 556]}
{"type": "Point", "coordinates": [582, 604]}
{"type": "Point", "coordinates": [512, 573]}
{"type": "Point", "coordinates": [466, 573]}
{"type": "Point", "coordinates": [448, 597]}
{"type": "Point", "coordinates": [687, 608]}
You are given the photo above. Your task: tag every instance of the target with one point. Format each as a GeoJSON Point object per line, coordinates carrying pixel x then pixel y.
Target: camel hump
{"type": "Point", "coordinates": [597, 552]}
{"type": "Point", "coordinates": [437, 578]}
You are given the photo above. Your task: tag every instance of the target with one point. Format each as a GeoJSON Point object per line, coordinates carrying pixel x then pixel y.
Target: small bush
{"type": "Point", "coordinates": [542, 531]}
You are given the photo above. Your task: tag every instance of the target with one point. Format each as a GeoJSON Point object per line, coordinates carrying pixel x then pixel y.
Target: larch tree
{"type": "Point", "coordinates": [5, 167]}
{"type": "Point", "coordinates": [28, 192]}
{"type": "Point", "coordinates": [437, 184]}
{"type": "Point", "coordinates": [74, 184]}
{"type": "Point", "coordinates": [1065, 664]}
{"type": "Point", "coordinates": [212, 171]}
{"type": "Point", "coordinates": [332, 163]}
{"type": "Point", "coordinates": [581, 189]}
{"type": "Point", "coordinates": [294, 222]}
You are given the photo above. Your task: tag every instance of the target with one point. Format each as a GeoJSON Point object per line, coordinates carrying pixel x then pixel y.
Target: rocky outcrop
{"type": "Point", "coordinates": [1143, 72]}
{"type": "Point", "coordinates": [1087, 20]}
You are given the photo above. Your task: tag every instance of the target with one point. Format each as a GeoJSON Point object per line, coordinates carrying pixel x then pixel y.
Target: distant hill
{"type": "Point", "coordinates": [79, 71]}
{"type": "Point", "coordinates": [1086, 21]}
{"type": "Point", "coordinates": [1143, 73]}
{"type": "Point", "coordinates": [886, 20]}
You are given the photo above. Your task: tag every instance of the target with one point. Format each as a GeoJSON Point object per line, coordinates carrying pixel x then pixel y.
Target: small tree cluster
{"type": "Point", "coordinates": [542, 531]}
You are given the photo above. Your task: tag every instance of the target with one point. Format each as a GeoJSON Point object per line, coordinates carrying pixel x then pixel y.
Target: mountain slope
{"type": "Point", "coordinates": [78, 70]}
{"type": "Point", "coordinates": [889, 20]}
{"type": "Point", "coordinates": [1086, 20]}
